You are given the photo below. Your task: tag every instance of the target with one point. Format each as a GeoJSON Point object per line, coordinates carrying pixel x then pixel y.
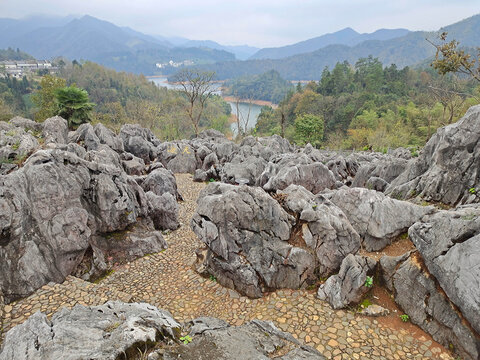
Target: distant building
{"type": "Point", "coordinates": [19, 67]}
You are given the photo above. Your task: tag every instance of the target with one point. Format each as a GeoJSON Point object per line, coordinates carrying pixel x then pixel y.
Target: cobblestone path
{"type": "Point", "coordinates": [167, 281]}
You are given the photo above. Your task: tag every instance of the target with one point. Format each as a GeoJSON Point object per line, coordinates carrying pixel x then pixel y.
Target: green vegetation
{"type": "Point", "coordinates": [212, 278]}
{"type": "Point", "coordinates": [14, 96]}
{"type": "Point", "coordinates": [404, 317]}
{"type": "Point", "coordinates": [11, 54]}
{"type": "Point", "coordinates": [268, 86]}
{"type": "Point", "coordinates": [120, 98]}
{"type": "Point", "coordinates": [73, 105]}
{"type": "Point", "coordinates": [44, 98]}
{"type": "Point", "coordinates": [186, 339]}
{"type": "Point", "coordinates": [369, 281]}
{"type": "Point", "coordinates": [472, 190]}
{"type": "Point", "coordinates": [368, 106]}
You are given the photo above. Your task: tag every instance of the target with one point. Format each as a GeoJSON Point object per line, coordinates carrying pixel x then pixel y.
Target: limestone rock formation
{"type": "Point", "coordinates": [71, 206]}
{"type": "Point", "coordinates": [118, 330]}
{"type": "Point", "coordinates": [253, 244]}
{"type": "Point", "coordinates": [378, 219]}
{"type": "Point", "coordinates": [447, 167]}
{"type": "Point", "coordinates": [100, 332]}
{"type": "Point", "coordinates": [348, 286]}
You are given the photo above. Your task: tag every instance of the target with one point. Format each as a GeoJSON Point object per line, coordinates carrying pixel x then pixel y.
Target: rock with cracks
{"type": "Point", "coordinates": [378, 219]}
{"type": "Point", "coordinates": [349, 285]}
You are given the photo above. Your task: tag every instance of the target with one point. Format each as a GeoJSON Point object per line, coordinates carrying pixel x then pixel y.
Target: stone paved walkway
{"type": "Point", "coordinates": [167, 281]}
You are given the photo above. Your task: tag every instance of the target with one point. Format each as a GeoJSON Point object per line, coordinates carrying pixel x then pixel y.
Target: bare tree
{"type": "Point", "coordinates": [197, 87]}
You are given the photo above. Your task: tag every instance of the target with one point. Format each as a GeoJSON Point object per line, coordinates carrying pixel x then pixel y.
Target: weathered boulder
{"type": "Point", "coordinates": [117, 330]}
{"type": "Point", "coordinates": [449, 243]}
{"type": "Point", "coordinates": [249, 168]}
{"type": "Point", "coordinates": [161, 181]}
{"type": "Point", "coordinates": [314, 177]}
{"type": "Point", "coordinates": [247, 234]}
{"type": "Point", "coordinates": [321, 227]}
{"type": "Point", "coordinates": [55, 130]}
{"type": "Point", "coordinates": [348, 286]}
{"type": "Point", "coordinates": [344, 169]}
{"type": "Point", "coordinates": [418, 294]}
{"type": "Point", "coordinates": [16, 143]}
{"type": "Point", "coordinates": [53, 206]}
{"type": "Point", "coordinates": [255, 340]}
{"type": "Point", "coordinates": [139, 141]}
{"type": "Point", "coordinates": [26, 124]}
{"type": "Point", "coordinates": [163, 210]}
{"type": "Point", "coordinates": [109, 138]}
{"type": "Point", "coordinates": [386, 169]}
{"type": "Point", "coordinates": [108, 331]}
{"type": "Point", "coordinates": [86, 136]}
{"type": "Point", "coordinates": [254, 245]}
{"type": "Point", "coordinates": [447, 167]}
{"type": "Point", "coordinates": [377, 218]}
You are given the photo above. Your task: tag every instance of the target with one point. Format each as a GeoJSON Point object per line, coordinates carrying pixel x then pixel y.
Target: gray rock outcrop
{"type": "Point", "coordinates": [71, 206]}
{"type": "Point", "coordinates": [447, 167]}
{"type": "Point", "coordinates": [100, 332]}
{"type": "Point", "coordinates": [117, 330]}
{"type": "Point", "coordinates": [377, 218]}
{"type": "Point", "coordinates": [348, 286]}
{"type": "Point", "coordinates": [254, 245]}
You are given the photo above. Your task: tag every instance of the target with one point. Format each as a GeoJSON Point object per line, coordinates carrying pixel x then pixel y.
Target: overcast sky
{"type": "Point", "coordinates": [261, 23]}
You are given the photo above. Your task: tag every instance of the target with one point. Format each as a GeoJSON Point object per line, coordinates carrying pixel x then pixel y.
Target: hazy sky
{"type": "Point", "coordinates": [259, 23]}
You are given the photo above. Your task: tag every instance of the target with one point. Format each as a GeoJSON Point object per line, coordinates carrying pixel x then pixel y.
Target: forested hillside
{"type": "Point", "coordinates": [119, 97]}
{"type": "Point", "coordinates": [369, 106]}
{"type": "Point", "coordinates": [268, 86]}
{"type": "Point", "coordinates": [408, 50]}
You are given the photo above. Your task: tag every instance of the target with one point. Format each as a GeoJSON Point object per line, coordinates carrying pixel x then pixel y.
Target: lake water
{"type": "Point", "coordinates": [246, 110]}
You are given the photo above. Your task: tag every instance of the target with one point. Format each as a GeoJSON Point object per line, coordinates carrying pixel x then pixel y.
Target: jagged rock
{"type": "Point", "coordinates": [85, 134]}
{"type": "Point", "coordinates": [418, 295]}
{"type": "Point", "coordinates": [314, 177]}
{"type": "Point", "coordinates": [139, 141]}
{"type": "Point", "coordinates": [102, 332]}
{"type": "Point", "coordinates": [16, 143]}
{"type": "Point", "coordinates": [256, 340]}
{"type": "Point", "coordinates": [249, 168]}
{"type": "Point", "coordinates": [247, 233]}
{"type": "Point", "coordinates": [211, 134]}
{"type": "Point", "coordinates": [388, 266]}
{"type": "Point", "coordinates": [108, 137]}
{"type": "Point", "coordinates": [348, 286]}
{"type": "Point", "coordinates": [322, 228]}
{"type": "Point", "coordinates": [55, 130]}
{"type": "Point", "coordinates": [449, 243]}
{"type": "Point", "coordinates": [117, 330]}
{"type": "Point", "coordinates": [163, 210]}
{"type": "Point", "coordinates": [51, 206]}
{"type": "Point", "coordinates": [374, 310]}
{"type": "Point", "coordinates": [134, 166]}
{"type": "Point", "coordinates": [377, 218]}
{"type": "Point", "coordinates": [254, 245]}
{"type": "Point", "coordinates": [179, 157]}
{"type": "Point", "coordinates": [27, 124]}
{"type": "Point", "coordinates": [344, 169]}
{"type": "Point", "coordinates": [376, 183]}
{"type": "Point", "coordinates": [161, 181]}
{"type": "Point", "coordinates": [447, 167]}
{"type": "Point", "coordinates": [386, 169]}
{"type": "Point", "coordinates": [400, 153]}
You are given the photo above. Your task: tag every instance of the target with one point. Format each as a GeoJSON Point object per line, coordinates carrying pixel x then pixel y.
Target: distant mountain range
{"type": "Point", "coordinates": [89, 38]}
{"type": "Point", "coordinates": [407, 50]}
{"type": "Point", "coordinates": [122, 48]}
{"type": "Point", "coordinates": [347, 36]}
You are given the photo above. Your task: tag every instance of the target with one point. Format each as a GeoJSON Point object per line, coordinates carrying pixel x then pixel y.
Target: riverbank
{"type": "Point", "coordinates": [246, 101]}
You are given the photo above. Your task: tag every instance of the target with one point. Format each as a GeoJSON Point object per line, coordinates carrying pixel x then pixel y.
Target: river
{"type": "Point", "coordinates": [246, 110]}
